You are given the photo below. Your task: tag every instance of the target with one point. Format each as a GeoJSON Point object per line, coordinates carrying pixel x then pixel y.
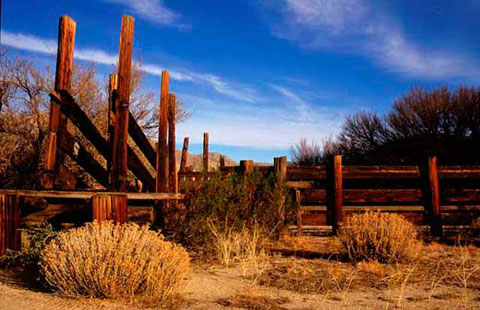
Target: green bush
{"type": "Point", "coordinates": [232, 202]}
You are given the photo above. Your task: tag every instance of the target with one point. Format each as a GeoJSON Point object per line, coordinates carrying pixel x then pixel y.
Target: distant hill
{"type": "Point", "coordinates": [196, 160]}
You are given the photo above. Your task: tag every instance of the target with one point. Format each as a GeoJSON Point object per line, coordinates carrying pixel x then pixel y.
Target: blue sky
{"type": "Point", "coordinates": [259, 75]}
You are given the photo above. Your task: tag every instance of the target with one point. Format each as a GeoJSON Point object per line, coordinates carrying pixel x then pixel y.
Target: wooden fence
{"type": "Point", "coordinates": [440, 197]}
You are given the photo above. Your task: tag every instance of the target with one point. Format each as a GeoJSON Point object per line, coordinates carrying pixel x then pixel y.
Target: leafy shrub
{"type": "Point", "coordinates": [231, 202]}
{"type": "Point", "coordinates": [32, 246]}
{"type": "Point", "coordinates": [374, 236]}
{"type": "Point", "coordinates": [115, 261]}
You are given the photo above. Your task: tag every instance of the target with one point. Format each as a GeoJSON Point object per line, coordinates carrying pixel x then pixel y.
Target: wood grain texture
{"type": "Point", "coordinates": [205, 152]}
{"type": "Point", "coordinates": [63, 81]}
{"type": "Point", "coordinates": [172, 162]}
{"type": "Point", "coordinates": [120, 141]}
{"type": "Point", "coordinates": [162, 148]}
{"type": "Point", "coordinates": [9, 223]}
{"type": "Point", "coordinates": [183, 161]}
{"type": "Point", "coordinates": [111, 207]}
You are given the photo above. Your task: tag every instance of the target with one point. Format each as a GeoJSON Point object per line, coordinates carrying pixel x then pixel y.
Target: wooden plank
{"type": "Point", "coordinates": [335, 191]}
{"type": "Point", "coordinates": [461, 172]}
{"type": "Point", "coordinates": [139, 137]}
{"type": "Point", "coordinates": [112, 98]}
{"type": "Point", "coordinates": [381, 172]}
{"type": "Point", "coordinates": [298, 205]}
{"type": "Point", "coordinates": [314, 196]}
{"type": "Point", "coordinates": [63, 81]}
{"type": "Point", "coordinates": [183, 162]}
{"type": "Point", "coordinates": [280, 168]}
{"type": "Point", "coordinates": [76, 151]}
{"type": "Point", "coordinates": [88, 195]}
{"type": "Point", "coordinates": [306, 173]}
{"type": "Point", "coordinates": [300, 184]}
{"type": "Point", "coordinates": [162, 151]}
{"type": "Point", "coordinates": [246, 166]}
{"type": "Point", "coordinates": [382, 195]}
{"type": "Point", "coordinates": [90, 131]}
{"type": "Point", "coordinates": [205, 152]}
{"type": "Point", "coordinates": [459, 195]}
{"type": "Point", "coordinates": [120, 141]}
{"type": "Point", "coordinates": [9, 223]}
{"type": "Point", "coordinates": [111, 207]}
{"type": "Point", "coordinates": [172, 161]}
{"type": "Point", "coordinates": [432, 196]}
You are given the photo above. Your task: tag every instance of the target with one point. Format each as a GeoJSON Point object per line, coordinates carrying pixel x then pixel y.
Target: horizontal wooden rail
{"type": "Point", "coordinates": [71, 109]}
{"type": "Point", "coordinates": [88, 195]}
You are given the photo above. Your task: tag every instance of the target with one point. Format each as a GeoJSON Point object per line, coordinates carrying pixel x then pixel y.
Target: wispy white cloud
{"type": "Point", "coordinates": [47, 46]}
{"type": "Point", "coordinates": [152, 10]}
{"type": "Point", "coordinates": [262, 126]}
{"type": "Point", "coordinates": [355, 26]}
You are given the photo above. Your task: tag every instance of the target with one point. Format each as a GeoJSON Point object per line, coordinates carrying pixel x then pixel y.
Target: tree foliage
{"type": "Point", "coordinates": [421, 123]}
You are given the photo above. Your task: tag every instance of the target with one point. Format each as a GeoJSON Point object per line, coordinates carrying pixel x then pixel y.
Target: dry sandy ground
{"type": "Point", "coordinates": [219, 288]}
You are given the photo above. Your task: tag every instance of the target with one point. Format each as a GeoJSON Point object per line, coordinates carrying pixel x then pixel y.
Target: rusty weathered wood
{"type": "Point", "coordinates": [381, 172]}
{"type": "Point", "coordinates": [76, 151]}
{"type": "Point", "coordinates": [88, 194]}
{"type": "Point", "coordinates": [301, 184]}
{"type": "Point", "coordinates": [120, 141]}
{"type": "Point", "coordinates": [71, 109]}
{"type": "Point", "coordinates": [9, 223]}
{"type": "Point", "coordinates": [222, 161]}
{"type": "Point", "coordinates": [183, 161]}
{"type": "Point", "coordinates": [162, 151]}
{"type": "Point", "coordinates": [139, 137]}
{"type": "Point", "coordinates": [172, 152]}
{"type": "Point", "coordinates": [335, 191]}
{"type": "Point", "coordinates": [433, 197]}
{"type": "Point", "coordinates": [112, 95]}
{"type": "Point", "coordinates": [63, 80]}
{"type": "Point", "coordinates": [306, 173]}
{"type": "Point", "coordinates": [460, 172]}
{"type": "Point", "coordinates": [110, 207]}
{"type": "Point", "coordinates": [205, 152]}
{"type": "Point", "coordinates": [298, 205]}
{"type": "Point", "coordinates": [353, 196]}
{"type": "Point", "coordinates": [246, 166]}
{"type": "Point", "coordinates": [280, 168]}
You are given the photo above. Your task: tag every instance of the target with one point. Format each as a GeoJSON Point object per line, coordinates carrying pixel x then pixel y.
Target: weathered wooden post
{"type": "Point", "coordinates": [112, 94]}
{"type": "Point", "coordinates": [162, 151]}
{"type": "Point", "coordinates": [9, 223]}
{"type": "Point", "coordinates": [107, 207]}
{"type": "Point", "coordinates": [432, 196]}
{"type": "Point", "coordinates": [205, 152]}
{"type": "Point", "coordinates": [120, 146]}
{"type": "Point", "coordinates": [246, 166]}
{"type": "Point", "coordinates": [298, 205]}
{"type": "Point", "coordinates": [183, 161]}
{"type": "Point", "coordinates": [63, 81]}
{"type": "Point", "coordinates": [335, 191]}
{"type": "Point", "coordinates": [173, 180]}
{"type": "Point", "coordinates": [280, 169]}
{"type": "Point", "coordinates": [222, 161]}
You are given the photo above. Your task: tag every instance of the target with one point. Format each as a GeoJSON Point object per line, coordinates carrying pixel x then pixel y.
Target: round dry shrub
{"type": "Point", "coordinates": [116, 262]}
{"type": "Point", "coordinates": [382, 237]}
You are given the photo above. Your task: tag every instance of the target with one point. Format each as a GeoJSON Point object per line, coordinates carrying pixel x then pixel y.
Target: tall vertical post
{"type": "Point", "coordinates": [9, 223]}
{"type": "Point", "coordinates": [173, 179]}
{"type": "Point", "coordinates": [107, 207]}
{"type": "Point", "coordinates": [112, 94]}
{"type": "Point", "coordinates": [205, 152]}
{"type": "Point", "coordinates": [120, 146]}
{"type": "Point", "coordinates": [222, 161]}
{"type": "Point", "coordinates": [280, 168]}
{"type": "Point", "coordinates": [162, 151]}
{"type": "Point", "coordinates": [246, 166]}
{"type": "Point", "coordinates": [183, 162]}
{"type": "Point", "coordinates": [335, 191]}
{"type": "Point", "coordinates": [432, 196]}
{"type": "Point", "coordinates": [298, 205]}
{"type": "Point", "coordinates": [63, 81]}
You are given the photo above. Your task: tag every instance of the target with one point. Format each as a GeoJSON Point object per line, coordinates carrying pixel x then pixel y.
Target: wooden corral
{"type": "Point", "coordinates": [439, 198]}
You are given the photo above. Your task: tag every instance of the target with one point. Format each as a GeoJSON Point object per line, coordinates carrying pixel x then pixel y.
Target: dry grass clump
{"type": "Point", "coordinates": [116, 262]}
{"type": "Point", "coordinates": [246, 247]}
{"type": "Point", "coordinates": [383, 237]}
